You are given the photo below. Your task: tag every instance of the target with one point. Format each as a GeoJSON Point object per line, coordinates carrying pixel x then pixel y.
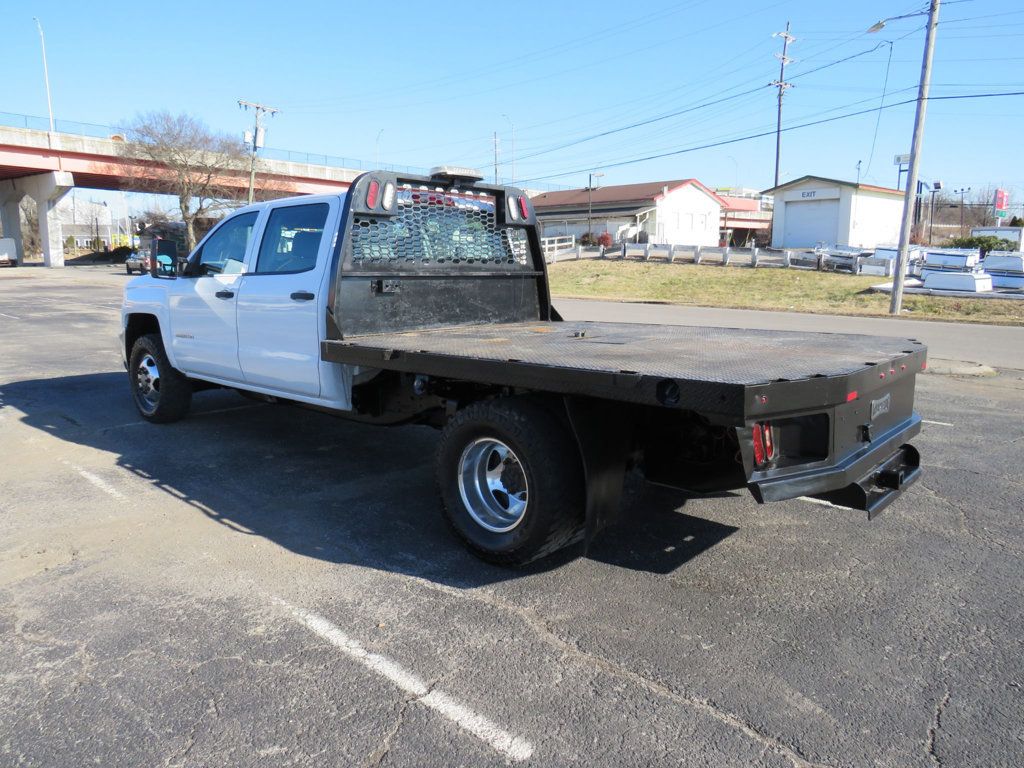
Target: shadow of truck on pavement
{"type": "Point", "coordinates": [324, 487]}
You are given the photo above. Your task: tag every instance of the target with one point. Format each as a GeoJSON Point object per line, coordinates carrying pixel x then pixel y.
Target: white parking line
{"type": "Point", "coordinates": [938, 423]}
{"type": "Point", "coordinates": [96, 480]}
{"type": "Point", "coordinates": [820, 502]}
{"type": "Point", "coordinates": [512, 747]}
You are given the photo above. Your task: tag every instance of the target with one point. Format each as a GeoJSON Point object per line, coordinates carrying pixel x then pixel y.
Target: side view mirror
{"type": "Point", "coordinates": [163, 266]}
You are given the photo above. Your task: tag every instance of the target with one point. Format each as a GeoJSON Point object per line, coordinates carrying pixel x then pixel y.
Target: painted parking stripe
{"type": "Point", "coordinates": [821, 502]}
{"type": "Point", "coordinates": [938, 423]}
{"type": "Point", "coordinates": [512, 747]}
{"type": "Point", "coordinates": [97, 481]}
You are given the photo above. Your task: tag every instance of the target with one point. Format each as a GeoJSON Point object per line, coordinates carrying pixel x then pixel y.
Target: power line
{"type": "Point", "coordinates": [677, 113]}
{"type": "Point", "coordinates": [878, 120]}
{"type": "Point", "coordinates": [769, 133]}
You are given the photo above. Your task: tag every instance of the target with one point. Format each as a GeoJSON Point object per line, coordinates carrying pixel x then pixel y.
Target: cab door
{"type": "Point", "coordinates": [203, 302]}
{"type": "Point", "coordinates": [280, 301]}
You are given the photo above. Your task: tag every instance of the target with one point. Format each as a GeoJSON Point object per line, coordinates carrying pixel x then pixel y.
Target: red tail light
{"type": "Point", "coordinates": [524, 207]}
{"type": "Point", "coordinates": [764, 443]}
{"type": "Point", "coordinates": [758, 445]}
{"type": "Point", "coordinates": [372, 191]}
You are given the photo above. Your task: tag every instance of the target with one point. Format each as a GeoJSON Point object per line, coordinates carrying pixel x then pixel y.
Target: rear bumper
{"type": "Point", "coordinates": [869, 479]}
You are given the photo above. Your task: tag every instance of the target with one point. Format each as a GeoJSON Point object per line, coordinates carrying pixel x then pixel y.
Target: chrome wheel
{"type": "Point", "coordinates": [493, 485]}
{"type": "Point", "coordinates": [147, 383]}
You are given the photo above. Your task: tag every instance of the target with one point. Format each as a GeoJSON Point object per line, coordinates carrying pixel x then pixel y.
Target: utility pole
{"type": "Point", "coordinates": [590, 201]}
{"type": "Point", "coordinates": [962, 192]}
{"type": "Point", "coordinates": [896, 304]}
{"type": "Point", "coordinates": [782, 85]}
{"type": "Point", "coordinates": [257, 138]}
{"type": "Point", "coordinates": [376, 150]}
{"type": "Point", "coordinates": [495, 157]}
{"type": "Point", "coordinates": [512, 149]}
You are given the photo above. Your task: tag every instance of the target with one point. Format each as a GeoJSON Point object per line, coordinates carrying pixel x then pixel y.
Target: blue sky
{"type": "Point", "coordinates": [439, 79]}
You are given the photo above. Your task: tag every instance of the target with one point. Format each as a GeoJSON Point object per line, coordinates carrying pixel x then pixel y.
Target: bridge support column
{"type": "Point", "coordinates": [10, 220]}
{"type": "Point", "coordinates": [47, 189]}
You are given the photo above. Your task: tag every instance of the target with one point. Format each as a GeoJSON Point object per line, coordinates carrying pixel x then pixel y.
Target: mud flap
{"type": "Point", "coordinates": [604, 433]}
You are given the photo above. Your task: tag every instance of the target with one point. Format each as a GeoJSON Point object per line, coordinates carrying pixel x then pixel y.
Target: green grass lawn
{"type": "Point", "coordinates": [791, 290]}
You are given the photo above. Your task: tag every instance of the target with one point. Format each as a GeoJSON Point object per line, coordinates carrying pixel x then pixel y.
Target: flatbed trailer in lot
{"type": "Point", "coordinates": [428, 302]}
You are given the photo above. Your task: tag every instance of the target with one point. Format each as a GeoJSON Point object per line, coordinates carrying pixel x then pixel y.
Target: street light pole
{"type": "Point", "coordinates": [931, 216]}
{"type": "Point", "coordinates": [46, 72]}
{"type": "Point", "coordinates": [376, 150]}
{"type": "Point", "coordinates": [896, 304]}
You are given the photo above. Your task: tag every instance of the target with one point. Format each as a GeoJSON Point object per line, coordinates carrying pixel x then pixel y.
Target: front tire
{"type": "Point", "coordinates": [511, 481]}
{"type": "Point", "coordinates": [161, 393]}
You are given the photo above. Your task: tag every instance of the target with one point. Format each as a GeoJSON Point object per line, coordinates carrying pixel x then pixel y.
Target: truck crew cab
{"type": "Point", "coordinates": [425, 299]}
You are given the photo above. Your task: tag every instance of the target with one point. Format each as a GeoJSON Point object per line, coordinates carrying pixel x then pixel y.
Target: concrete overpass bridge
{"type": "Point", "coordinates": [46, 166]}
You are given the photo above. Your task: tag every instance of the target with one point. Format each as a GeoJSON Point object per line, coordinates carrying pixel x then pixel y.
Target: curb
{"type": "Point", "coordinates": [941, 367]}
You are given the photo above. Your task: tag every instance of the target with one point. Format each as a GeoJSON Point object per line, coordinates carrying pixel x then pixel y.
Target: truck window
{"type": "Point", "coordinates": [224, 252]}
{"type": "Point", "coordinates": [432, 227]}
{"type": "Point", "coordinates": [292, 239]}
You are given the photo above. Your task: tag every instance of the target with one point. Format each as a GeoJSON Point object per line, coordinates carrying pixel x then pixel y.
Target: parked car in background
{"type": "Point", "coordinates": [137, 261]}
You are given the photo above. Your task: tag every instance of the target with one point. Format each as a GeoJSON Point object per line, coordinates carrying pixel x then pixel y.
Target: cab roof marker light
{"type": "Point", "coordinates": [851, 396]}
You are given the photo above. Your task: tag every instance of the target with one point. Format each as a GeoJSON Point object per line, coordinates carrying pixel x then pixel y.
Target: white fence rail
{"type": "Point", "coordinates": [724, 256]}
{"type": "Point", "coordinates": [554, 246]}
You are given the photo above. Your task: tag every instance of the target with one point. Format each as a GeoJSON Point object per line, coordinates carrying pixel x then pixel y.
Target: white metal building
{"type": "Point", "coordinates": [814, 210]}
{"type": "Point", "coordinates": [680, 212]}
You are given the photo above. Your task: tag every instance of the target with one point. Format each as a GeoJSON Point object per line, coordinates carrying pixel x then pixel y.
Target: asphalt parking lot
{"type": "Point", "coordinates": [264, 585]}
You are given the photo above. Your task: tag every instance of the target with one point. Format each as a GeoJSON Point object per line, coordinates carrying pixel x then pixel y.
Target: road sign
{"type": "Point", "coordinates": [901, 160]}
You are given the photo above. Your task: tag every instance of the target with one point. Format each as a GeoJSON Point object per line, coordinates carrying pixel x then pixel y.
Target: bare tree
{"type": "Point", "coordinates": [30, 227]}
{"type": "Point", "coordinates": [184, 158]}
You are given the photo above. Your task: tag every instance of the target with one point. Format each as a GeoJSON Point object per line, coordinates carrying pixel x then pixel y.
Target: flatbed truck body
{"type": "Point", "coordinates": [437, 310]}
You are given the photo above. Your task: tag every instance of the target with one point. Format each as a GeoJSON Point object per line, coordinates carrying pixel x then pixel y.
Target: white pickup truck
{"type": "Point", "coordinates": [425, 299]}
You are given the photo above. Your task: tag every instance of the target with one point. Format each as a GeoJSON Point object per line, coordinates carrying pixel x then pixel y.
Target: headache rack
{"type": "Point", "coordinates": [428, 252]}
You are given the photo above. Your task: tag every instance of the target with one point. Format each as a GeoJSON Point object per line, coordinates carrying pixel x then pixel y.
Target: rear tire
{"type": "Point", "coordinates": [161, 393]}
{"type": "Point", "coordinates": [128, 269]}
{"type": "Point", "coordinates": [511, 481]}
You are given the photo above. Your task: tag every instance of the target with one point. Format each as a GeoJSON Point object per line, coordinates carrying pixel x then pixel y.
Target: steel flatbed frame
{"type": "Point", "coordinates": [735, 374]}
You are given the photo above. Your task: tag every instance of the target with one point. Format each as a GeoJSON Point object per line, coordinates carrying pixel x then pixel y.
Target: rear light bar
{"type": "Point", "coordinates": [764, 443]}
